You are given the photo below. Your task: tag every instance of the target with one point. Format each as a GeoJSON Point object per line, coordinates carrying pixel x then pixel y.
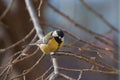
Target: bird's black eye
{"type": "Point", "coordinates": [60, 33]}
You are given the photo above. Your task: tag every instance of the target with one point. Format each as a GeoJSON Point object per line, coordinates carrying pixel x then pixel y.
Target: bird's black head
{"type": "Point", "coordinates": [58, 33]}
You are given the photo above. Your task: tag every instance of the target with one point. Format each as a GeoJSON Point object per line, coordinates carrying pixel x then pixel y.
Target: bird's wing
{"type": "Point", "coordinates": [43, 40]}
{"type": "Point", "coordinates": [47, 38]}
{"type": "Point", "coordinates": [40, 41]}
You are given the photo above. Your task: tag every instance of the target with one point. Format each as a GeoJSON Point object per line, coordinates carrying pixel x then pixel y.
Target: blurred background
{"type": "Point", "coordinates": [16, 24]}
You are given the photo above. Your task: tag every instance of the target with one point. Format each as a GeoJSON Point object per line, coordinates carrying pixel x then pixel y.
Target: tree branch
{"type": "Point", "coordinates": [95, 35]}
{"type": "Point", "coordinates": [34, 18]}
{"type": "Point", "coordinates": [6, 10]}
{"type": "Point", "coordinates": [18, 42]}
{"type": "Point", "coordinates": [38, 28]}
{"type": "Point", "coordinates": [99, 15]}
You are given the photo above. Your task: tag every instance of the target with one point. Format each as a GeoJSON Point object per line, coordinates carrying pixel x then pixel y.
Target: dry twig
{"type": "Point", "coordinates": [99, 15]}
{"type": "Point", "coordinates": [7, 9]}
{"type": "Point", "coordinates": [93, 34]}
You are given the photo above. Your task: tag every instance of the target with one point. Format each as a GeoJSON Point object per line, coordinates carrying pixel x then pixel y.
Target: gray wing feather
{"type": "Point", "coordinates": [43, 40]}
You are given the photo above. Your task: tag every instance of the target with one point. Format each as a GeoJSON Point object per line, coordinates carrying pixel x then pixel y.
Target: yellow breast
{"type": "Point", "coordinates": [51, 46]}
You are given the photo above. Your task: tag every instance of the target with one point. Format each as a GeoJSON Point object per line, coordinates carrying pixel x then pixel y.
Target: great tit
{"type": "Point", "coordinates": [51, 42]}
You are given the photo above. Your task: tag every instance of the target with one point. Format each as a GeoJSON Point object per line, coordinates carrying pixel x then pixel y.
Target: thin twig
{"type": "Point", "coordinates": [99, 48]}
{"type": "Point", "coordinates": [99, 15]}
{"type": "Point", "coordinates": [80, 40]}
{"type": "Point", "coordinates": [4, 70]}
{"type": "Point", "coordinates": [80, 75]}
{"type": "Point", "coordinates": [66, 77]}
{"type": "Point", "coordinates": [23, 53]}
{"type": "Point", "coordinates": [39, 7]}
{"type": "Point", "coordinates": [89, 70]}
{"type": "Point", "coordinates": [93, 34]}
{"type": "Point", "coordinates": [18, 42]}
{"type": "Point", "coordinates": [24, 58]}
{"type": "Point", "coordinates": [31, 68]}
{"type": "Point", "coordinates": [84, 58]}
{"type": "Point", "coordinates": [42, 76]}
{"type": "Point", "coordinates": [53, 76]}
{"type": "Point", "coordinates": [7, 73]}
{"type": "Point", "coordinates": [98, 52]}
{"type": "Point", "coordinates": [7, 9]}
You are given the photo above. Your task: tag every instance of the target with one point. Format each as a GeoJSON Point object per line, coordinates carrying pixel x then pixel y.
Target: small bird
{"type": "Point", "coordinates": [51, 42]}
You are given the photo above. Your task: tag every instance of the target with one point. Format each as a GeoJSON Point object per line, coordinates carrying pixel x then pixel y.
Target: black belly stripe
{"type": "Point", "coordinates": [58, 40]}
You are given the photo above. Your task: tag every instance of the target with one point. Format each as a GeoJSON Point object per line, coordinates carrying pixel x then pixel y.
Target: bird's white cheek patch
{"type": "Point", "coordinates": [62, 39]}
{"type": "Point", "coordinates": [55, 34]}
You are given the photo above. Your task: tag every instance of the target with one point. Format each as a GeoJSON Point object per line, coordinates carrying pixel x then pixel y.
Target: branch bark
{"type": "Point", "coordinates": [38, 28]}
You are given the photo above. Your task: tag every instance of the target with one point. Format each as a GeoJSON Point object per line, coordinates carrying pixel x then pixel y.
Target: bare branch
{"type": "Point", "coordinates": [93, 34]}
{"type": "Point", "coordinates": [66, 77]}
{"type": "Point", "coordinates": [93, 58]}
{"type": "Point", "coordinates": [34, 18]}
{"type": "Point", "coordinates": [79, 40]}
{"type": "Point", "coordinates": [38, 28]}
{"type": "Point", "coordinates": [18, 42]}
{"type": "Point", "coordinates": [31, 68]}
{"type": "Point", "coordinates": [6, 10]}
{"type": "Point", "coordinates": [99, 15]}
{"type": "Point", "coordinates": [42, 76]}
{"type": "Point", "coordinates": [80, 75]}
{"type": "Point", "coordinates": [86, 59]}
{"type": "Point", "coordinates": [54, 60]}
{"type": "Point", "coordinates": [89, 70]}
{"type": "Point", "coordinates": [39, 7]}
